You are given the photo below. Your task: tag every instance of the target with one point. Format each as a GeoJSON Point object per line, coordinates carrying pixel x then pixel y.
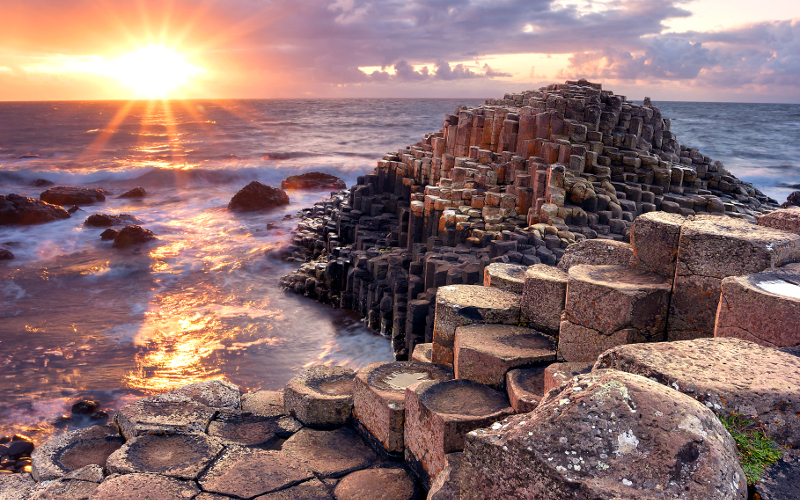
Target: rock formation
{"type": "Point", "coordinates": [256, 196]}
{"type": "Point", "coordinates": [16, 209]}
{"type": "Point", "coordinates": [65, 195]}
{"type": "Point", "coordinates": [313, 180]}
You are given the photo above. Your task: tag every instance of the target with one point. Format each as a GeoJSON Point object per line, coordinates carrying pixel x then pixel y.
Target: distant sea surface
{"type": "Point", "coordinates": [79, 319]}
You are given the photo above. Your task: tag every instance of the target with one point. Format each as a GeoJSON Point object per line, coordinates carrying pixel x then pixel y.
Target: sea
{"type": "Point", "coordinates": [82, 320]}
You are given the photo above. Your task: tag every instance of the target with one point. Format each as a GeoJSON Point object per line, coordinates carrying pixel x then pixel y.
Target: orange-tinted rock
{"type": "Point", "coordinates": [508, 277]}
{"type": "Point", "coordinates": [543, 296]}
{"type": "Point", "coordinates": [16, 209]}
{"type": "Point", "coordinates": [313, 180]}
{"type": "Point", "coordinates": [256, 196]}
{"type": "Point", "coordinates": [64, 195]}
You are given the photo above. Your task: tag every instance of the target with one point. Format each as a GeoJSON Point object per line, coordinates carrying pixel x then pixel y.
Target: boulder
{"type": "Point", "coordinates": [608, 435]}
{"type": "Point", "coordinates": [109, 234]}
{"type": "Point", "coordinates": [525, 388]}
{"type": "Point", "coordinates": [132, 235]}
{"type": "Point", "coordinates": [144, 487]}
{"type": "Point", "coordinates": [164, 414]}
{"type": "Point", "coordinates": [330, 453]}
{"type": "Point", "coordinates": [725, 374]}
{"type": "Point", "coordinates": [256, 196]}
{"type": "Point", "coordinates": [596, 252]}
{"type": "Point", "coordinates": [137, 192]}
{"type": "Point", "coordinates": [16, 209]}
{"type": "Point", "coordinates": [41, 183]}
{"type": "Point", "coordinates": [543, 296]}
{"type": "Point", "coordinates": [249, 472]}
{"type": "Point", "coordinates": [60, 455]}
{"type": "Point", "coordinates": [508, 277]}
{"type": "Point", "coordinates": [104, 220]}
{"type": "Point", "coordinates": [793, 200]}
{"type": "Point", "coordinates": [321, 396]}
{"type": "Point", "coordinates": [377, 484]}
{"type": "Point", "coordinates": [65, 195]}
{"type": "Point", "coordinates": [182, 456]}
{"type": "Point", "coordinates": [313, 180]}
{"type": "Point", "coordinates": [6, 254]}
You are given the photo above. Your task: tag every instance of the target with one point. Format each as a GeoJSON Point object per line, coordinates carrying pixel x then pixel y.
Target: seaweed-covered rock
{"type": "Point", "coordinates": [16, 209]}
{"type": "Point", "coordinates": [256, 196]}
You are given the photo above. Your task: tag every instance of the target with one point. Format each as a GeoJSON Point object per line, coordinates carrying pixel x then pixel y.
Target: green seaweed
{"type": "Point", "coordinates": [756, 450]}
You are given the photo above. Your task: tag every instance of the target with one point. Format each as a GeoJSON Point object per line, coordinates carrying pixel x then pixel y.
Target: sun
{"type": "Point", "coordinates": [153, 71]}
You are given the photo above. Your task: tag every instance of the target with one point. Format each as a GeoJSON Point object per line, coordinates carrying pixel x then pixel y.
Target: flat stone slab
{"type": "Point", "coordinates": [557, 375]}
{"type": "Point", "coordinates": [439, 415]}
{"type": "Point", "coordinates": [543, 296]}
{"type": "Point", "coordinates": [763, 308]}
{"type": "Point", "coordinates": [145, 487]}
{"type": "Point", "coordinates": [330, 453]}
{"type": "Point", "coordinates": [484, 353]}
{"type": "Point", "coordinates": [263, 403]}
{"type": "Point", "coordinates": [654, 238]}
{"type": "Point", "coordinates": [232, 427]}
{"type": "Point", "coordinates": [459, 305]}
{"type": "Point", "coordinates": [379, 398]}
{"type": "Point", "coordinates": [786, 219]}
{"type": "Point", "coordinates": [310, 490]}
{"type": "Point", "coordinates": [422, 353]}
{"type": "Point", "coordinates": [609, 434]}
{"type": "Point", "coordinates": [376, 484]}
{"type": "Point", "coordinates": [321, 396]}
{"type": "Point", "coordinates": [212, 393]}
{"type": "Point", "coordinates": [508, 277]}
{"type": "Point", "coordinates": [248, 473]}
{"type": "Point", "coordinates": [164, 414]}
{"type": "Point", "coordinates": [727, 375]}
{"type": "Point", "coordinates": [182, 456]}
{"type": "Point", "coordinates": [62, 489]}
{"type": "Point", "coordinates": [596, 252]}
{"type": "Point", "coordinates": [525, 388]}
{"type": "Point", "coordinates": [73, 450]}
{"type": "Point", "coordinates": [782, 480]}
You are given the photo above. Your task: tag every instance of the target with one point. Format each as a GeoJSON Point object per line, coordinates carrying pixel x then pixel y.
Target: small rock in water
{"type": "Point", "coordinates": [18, 449]}
{"type": "Point", "coordinates": [84, 407]}
{"type": "Point", "coordinates": [109, 234]}
{"type": "Point", "coordinates": [137, 192]}
{"type": "Point", "coordinates": [5, 254]}
{"type": "Point", "coordinates": [132, 235]}
{"type": "Point", "coordinates": [73, 209]}
{"type": "Point", "coordinates": [65, 195]}
{"type": "Point", "coordinates": [41, 183]}
{"type": "Point", "coordinates": [313, 180]}
{"type": "Point", "coordinates": [256, 196]}
{"type": "Point", "coordinates": [16, 209]}
{"type": "Point", "coordinates": [104, 220]}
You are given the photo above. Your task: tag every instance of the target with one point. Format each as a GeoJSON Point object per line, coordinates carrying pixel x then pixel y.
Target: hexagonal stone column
{"type": "Point", "coordinates": [422, 353]}
{"type": "Point", "coordinates": [139, 486]}
{"type": "Point", "coordinates": [508, 277]}
{"type": "Point", "coordinates": [596, 252]}
{"type": "Point", "coordinates": [232, 427]}
{"type": "Point", "coordinates": [525, 388]}
{"type": "Point", "coordinates": [710, 249]}
{"type": "Point", "coordinates": [73, 450]}
{"type": "Point", "coordinates": [383, 483]}
{"type": "Point", "coordinates": [611, 305]}
{"type": "Point", "coordinates": [182, 456]}
{"type": "Point", "coordinates": [247, 473]}
{"type": "Point", "coordinates": [330, 453]}
{"type": "Point", "coordinates": [543, 296]}
{"type": "Point", "coordinates": [263, 403]}
{"type": "Point", "coordinates": [379, 399]}
{"type": "Point", "coordinates": [654, 238]}
{"type": "Point", "coordinates": [439, 415]}
{"type": "Point", "coordinates": [164, 414]}
{"type": "Point", "coordinates": [459, 305]}
{"type": "Point", "coordinates": [484, 353]}
{"type": "Point", "coordinates": [763, 308]}
{"type": "Point", "coordinates": [212, 393]}
{"type": "Point", "coordinates": [321, 396]}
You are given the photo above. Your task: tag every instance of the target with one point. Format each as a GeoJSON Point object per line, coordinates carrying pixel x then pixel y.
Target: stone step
{"type": "Point", "coordinates": [525, 388]}
{"type": "Point", "coordinates": [543, 296]}
{"type": "Point", "coordinates": [608, 306]}
{"type": "Point", "coordinates": [422, 353]}
{"type": "Point", "coordinates": [508, 277]}
{"type": "Point", "coordinates": [484, 353]}
{"type": "Point", "coordinates": [596, 252]}
{"type": "Point", "coordinates": [654, 238]}
{"type": "Point", "coordinates": [321, 396]}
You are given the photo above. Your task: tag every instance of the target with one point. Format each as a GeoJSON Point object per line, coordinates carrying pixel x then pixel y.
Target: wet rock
{"type": "Point", "coordinates": [726, 375]}
{"type": "Point", "coordinates": [17, 449]}
{"type": "Point", "coordinates": [65, 195]}
{"type": "Point", "coordinates": [132, 235]}
{"type": "Point", "coordinates": [310, 490]}
{"type": "Point", "coordinates": [596, 252]}
{"type": "Point", "coordinates": [508, 277]}
{"type": "Point", "coordinates": [182, 456]}
{"type": "Point", "coordinates": [263, 403]}
{"type": "Point", "coordinates": [313, 180]}
{"type": "Point", "coordinates": [609, 434]}
{"type": "Point", "coordinates": [16, 209]}
{"type": "Point", "coordinates": [105, 220]}
{"type": "Point", "coordinates": [144, 487]}
{"type": "Point", "coordinates": [6, 254]}
{"type": "Point", "coordinates": [557, 375]}
{"type": "Point", "coordinates": [60, 455]}
{"type": "Point", "coordinates": [61, 489]}
{"type": "Point", "coordinates": [109, 234]}
{"type": "Point", "coordinates": [330, 453]}
{"type": "Point", "coordinates": [232, 427]}
{"type": "Point", "coordinates": [212, 393]}
{"type": "Point", "coordinates": [164, 414]}
{"type": "Point", "coordinates": [525, 388]}
{"type": "Point", "coordinates": [256, 196]}
{"type": "Point", "coordinates": [781, 481]}
{"type": "Point", "coordinates": [137, 192]}
{"type": "Point", "coordinates": [83, 407]}
{"type": "Point", "coordinates": [376, 484]}
{"type": "Point", "coordinates": [321, 396]}
{"type": "Point", "coordinates": [73, 209]}
{"type": "Point", "coordinates": [247, 473]}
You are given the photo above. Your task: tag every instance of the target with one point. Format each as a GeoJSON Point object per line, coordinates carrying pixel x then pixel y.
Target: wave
{"type": "Point", "coordinates": [288, 155]}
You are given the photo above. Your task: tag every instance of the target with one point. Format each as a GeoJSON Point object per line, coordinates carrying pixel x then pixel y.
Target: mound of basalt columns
{"type": "Point", "coordinates": [321, 396]}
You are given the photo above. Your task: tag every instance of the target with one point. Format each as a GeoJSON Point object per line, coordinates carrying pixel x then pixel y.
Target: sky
{"type": "Point", "coordinates": [701, 50]}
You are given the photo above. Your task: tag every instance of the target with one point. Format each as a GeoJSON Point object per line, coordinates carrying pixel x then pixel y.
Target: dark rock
{"type": "Point", "coordinates": [19, 449]}
{"type": "Point", "coordinates": [256, 196]}
{"type": "Point", "coordinates": [132, 235]}
{"type": "Point", "coordinates": [792, 200]}
{"type": "Point", "coordinates": [137, 192]}
{"type": "Point", "coordinates": [782, 480]}
{"type": "Point", "coordinates": [73, 209]}
{"type": "Point", "coordinates": [41, 183]}
{"type": "Point", "coordinates": [16, 209]}
{"type": "Point", "coordinates": [84, 407]}
{"type": "Point", "coordinates": [109, 234]}
{"type": "Point", "coordinates": [313, 180]}
{"type": "Point", "coordinates": [65, 195]}
{"type": "Point", "coordinates": [104, 220]}
{"type": "Point", "coordinates": [5, 254]}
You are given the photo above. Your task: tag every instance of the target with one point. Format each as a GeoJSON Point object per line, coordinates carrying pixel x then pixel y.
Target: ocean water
{"type": "Point", "coordinates": [81, 319]}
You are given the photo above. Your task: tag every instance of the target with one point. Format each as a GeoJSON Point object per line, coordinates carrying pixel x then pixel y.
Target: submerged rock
{"type": "Point", "coordinates": [66, 195]}
{"type": "Point", "coordinates": [137, 192]}
{"type": "Point", "coordinates": [256, 196]}
{"type": "Point", "coordinates": [41, 183]}
{"type": "Point", "coordinates": [6, 254]}
{"type": "Point", "coordinates": [313, 180]}
{"type": "Point", "coordinates": [109, 234]}
{"type": "Point", "coordinates": [132, 235]}
{"type": "Point", "coordinates": [105, 220]}
{"type": "Point", "coordinates": [16, 209]}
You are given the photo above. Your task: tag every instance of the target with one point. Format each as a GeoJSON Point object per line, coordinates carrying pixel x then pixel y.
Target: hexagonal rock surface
{"type": "Point", "coordinates": [422, 353]}
{"type": "Point", "coordinates": [330, 453]}
{"type": "Point", "coordinates": [61, 489]}
{"type": "Point", "coordinates": [543, 296]}
{"type": "Point", "coordinates": [164, 414]}
{"type": "Point", "coordinates": [144, 487]}
{"type": "Point", "coordinates": [310, 490]}
{"type": "Point", "coordinates": [484, 353]}
{"type": "Point", "coordinates": [727, 375]}
{"type": "Point", "coordinates": [212, 393]}
{"type": "Point", "coordinates": [321, 396]}
{"type": "Point", "coordinates": [73, 450]}
{"type": "Point", "coordinates": [459, 305]}
{"type": "Point", "coordinates": [508, 277]}
{"type": "Point", "coordinates": [247, 473]}
{"type": "Point", "coordinates": [182, 456]}
{"type": "Point", "coordinates": [439, 415]}
{"type": "Point", "coordinates": [232, 427]}
{"type": "Point", "coordinates": [376, 484]}
{"type": "Point", "coordinates": [781, 481]}
{"type": "Point", "coordinates": [608, 435]}
{"type": "Point", "coordinates": [446, 486]}
{"type": "Point", "coordinates": [787, 219]}
{"type": "Point", "coordinates": [654, 238]}
{"type": "Point", "coordinates": [619, 304]}
{"type": "Point", "coordinates": [263, 403]}
{"type": "Point", "coordinates": [596, 252]}
{"type": "Point", "coordinates": [17, 486]}
{"type": "Point", "coordinates": [557, 375]}
{"type": "Point", "coordinates": [525, 388]}
{"type": "Point", "coordinates": [710, 249]}
{"type": "Point", "coordinates": [379, 398]}
{"type": "Point", "coordinates": [763, 308]}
